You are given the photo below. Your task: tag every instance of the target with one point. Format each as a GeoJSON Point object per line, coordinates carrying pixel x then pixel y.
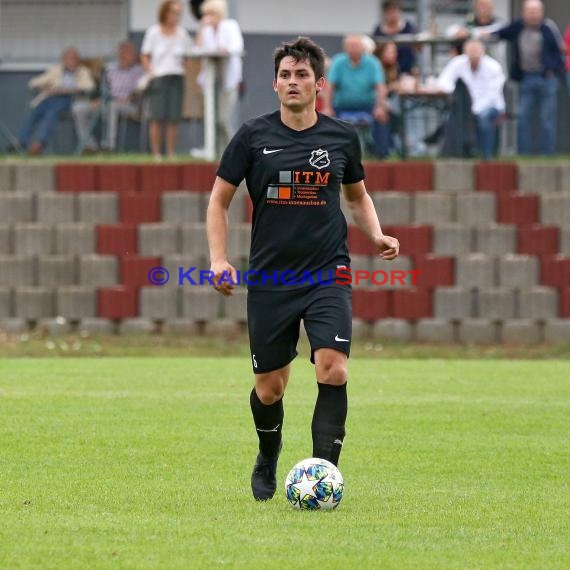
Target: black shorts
{"type": "Point", "coordinates": [274, 318]}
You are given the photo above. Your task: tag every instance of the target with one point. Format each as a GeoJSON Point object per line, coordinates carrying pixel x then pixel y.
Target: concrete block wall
{"type": "Point", "coordinates": [490, 244]}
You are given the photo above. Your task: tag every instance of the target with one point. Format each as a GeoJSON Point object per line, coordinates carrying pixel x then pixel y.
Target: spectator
{"type": "Point", "coordinates": [537, 61]}
{"type": "Point", "coordinates": [196, 8]}
{"type": "Point", "coordinates": [356, 90]}
{"type": "Point", "coordinates": [57, 88]}
{"type": "Point", "coordinates": [482, 20]}
{"type": "Point", "coordinates": [120, 98]}
{"type": "Point", "coordinates": [393, 23]}
{"type": "Point", "coordinates": [222, 34]}
{"type": "Point", "coordinates": [567, 47]}
{"type": "Point", "coordinates": [164, 50]}
{"type": "Point", "coordinates": [485, 80]}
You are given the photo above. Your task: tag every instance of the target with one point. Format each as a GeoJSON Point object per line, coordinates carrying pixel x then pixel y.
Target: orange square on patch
{"type": "Point", "coordinates": [284, 193]}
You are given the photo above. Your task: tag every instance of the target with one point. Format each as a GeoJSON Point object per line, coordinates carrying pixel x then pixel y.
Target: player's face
{"type": "Point", "coordinates": [296, 85]}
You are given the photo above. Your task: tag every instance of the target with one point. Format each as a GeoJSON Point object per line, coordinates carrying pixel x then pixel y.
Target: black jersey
{"type": "Point", "coordinates": [293, 178]}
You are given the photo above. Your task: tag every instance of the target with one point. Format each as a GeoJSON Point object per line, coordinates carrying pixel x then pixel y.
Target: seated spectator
{"type": "Point", "coordinates": [119, 98]}
{"type": "Point", "coordinates": [57, 86]}
{"type": "Point", "coordinates": [393, 23]}
{"type": "Point", "coordinates": [356, 90]}
{"type": "Point", "coordinates": [485, 80]}
{"type": "Point", "coordinates": [537, 61]}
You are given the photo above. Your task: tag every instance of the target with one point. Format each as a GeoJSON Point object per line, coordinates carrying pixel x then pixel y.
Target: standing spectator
{"type": "Point", "coordinates": [58, 86]}
{"type": "Point", "coordinates": [482, 20]}
{"type": "Point", "coordinates": [567, 44]}
{"type": "Point", "coordinates": [356, 89]}
{"type": "Point", "coordinates": [393, 23]}
{"type": "Point", "coordinates": [164, 50]}
{"type": "Point", "coordinates": [537, 61]}
{"type": "Point", "coordinates": [484, 79]}
{"type": "Point", "coordinates": [119, 93]}
{"type": "Point", "coordinates": [222, 34]}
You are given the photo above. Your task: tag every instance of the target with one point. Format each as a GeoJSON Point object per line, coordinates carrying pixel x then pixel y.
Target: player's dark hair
{"type": "Point", "coordinates": [300, 50]}
{"type": "Point", "coordinates": [390, 5]}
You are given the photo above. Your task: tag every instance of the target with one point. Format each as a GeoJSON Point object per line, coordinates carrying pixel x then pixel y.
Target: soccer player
{"type": "Point", "coordinates": [295, 161]}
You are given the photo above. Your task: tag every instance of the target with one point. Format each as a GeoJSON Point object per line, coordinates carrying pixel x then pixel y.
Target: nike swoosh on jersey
{"type": "Point", "coordinates": [265, 151]}
{"type": "Point", "coordinates": [338, 339]}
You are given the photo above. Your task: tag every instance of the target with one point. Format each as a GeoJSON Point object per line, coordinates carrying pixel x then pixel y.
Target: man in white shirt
{"type": "Point", "coordinates": [485, 81]}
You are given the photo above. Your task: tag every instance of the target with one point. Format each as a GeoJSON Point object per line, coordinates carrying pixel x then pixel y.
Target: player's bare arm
{"type": "Point", "coordinates": [364, 215]}
{"type": "Point", "coordinates": [217, 227]}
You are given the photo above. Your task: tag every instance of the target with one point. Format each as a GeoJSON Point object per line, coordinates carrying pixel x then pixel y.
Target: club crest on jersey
{"type": "Point", "coordinates": [319, 158]}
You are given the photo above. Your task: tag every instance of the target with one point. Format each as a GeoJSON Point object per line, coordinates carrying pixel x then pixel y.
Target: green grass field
{"type": "Point", "coordinates": [144, 463]}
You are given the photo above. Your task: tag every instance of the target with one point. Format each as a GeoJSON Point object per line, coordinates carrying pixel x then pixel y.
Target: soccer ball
{"type": "Point", "coordinates": [314, 484]}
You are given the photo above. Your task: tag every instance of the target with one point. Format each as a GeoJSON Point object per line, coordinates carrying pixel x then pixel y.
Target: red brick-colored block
{"type": "Point", "coordinates": [371, 305]}
{"type": "Point", "coordinates": [76, 177]}
{"type": "Point", "coordinates": [413, 176]}
{"type": "Point", "coordinates": [496, 176]}
{"type": "Point", "coordinates": [565, 303]}
{"type": "Point", "coordinates": [435, 271]}
{"type": "Point", "coordinates": [117, 239]}
{"type": "Point", "coordinates": [538, 240]}
{"type": "Point", "coordinates": [159, 177]}
{"type": "Point", "coordinates": [138, 208]}
{"type": "Point", "coordinates": [134, 270]}
{"type": "Point", "coordinates": [518, 209]}
{"type": "Point", "coordinates": [359, 243]}
{"type": "Point", "coordinates": [555, 271]}
{"type": "Point", "coordinates": [412, 304]}
{"type": "Point", "coordinates": [414, 239]}
{"type": "Point", "coordinates": [199, 177]}
{"type": "Point", "coordinates": [379, 176]}
{"type": "Point", "coordinates": [118, 177]}
{"type": "Point", "coordinates": [117, 302]}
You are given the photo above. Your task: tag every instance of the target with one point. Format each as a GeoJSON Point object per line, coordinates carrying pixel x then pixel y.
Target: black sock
{"type": "Point", "coordinates": [268, 423]}
{"type": "Point", "coordinates": [328, 422]}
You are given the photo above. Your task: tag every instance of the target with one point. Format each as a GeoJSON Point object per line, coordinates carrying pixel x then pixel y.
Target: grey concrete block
{"type": "Point", "coordinates": [495, 239]}
{"type": "Point", "coordinates": [538, 303]}
{"type": "Point", "coordinates": [34, 177]}
{"type": "Point", "coordinates": [75, 303]}
{"type": "Point", "coordinates": [239, 239]}
{"type": "Point", "coordinates": [557, 330]}
{"type": "Point", "coordinates": [6, 177]}
{"type": "Point", "coordinates": [54, 326]}
{"type": "Point", "coordinates": [435, 331]}
{"type": "Point", "coordinates": [34, 303]}
{"type": "Point", "coordinates": [539, 178]}
{"type": "Point", "coordinates": [16, 207]}
{"type": "Point", "coordinates": [475, 271]}
{"type": "Point", "coordinates": [180, 326]}
{"type": "Point", "coordinates": [17, 270]}
{"type": "Point", "coordinates": [184, 207]}
{"type": "Point", "coordinates": [497, 303]}
{"type": "Point", "coordinates": [360, 263]}
{"type": "Point", "coordinates": [518, 271]}
{"type": "Point", "coordinates": [565, 240]}
{"type": "Point", "coordinates": [478, 331]}
{"type": "Point", "coordinates": [33, 239]}
{"type": "Point", "coordinates": [237, 209]}
{"type": "Point", "coordinates": [393, 207]}
{"type": "Point", "coordinates": [194, 240]}
{"type": "Point", "coordinates": [391, 274]}
{"type": "Point", "coordinates": [55, 208]}
{"type": "Point", "coordinates": [235, 307]}
{"type": "Point", "coordinates": [137, 326]}
{"type": "Point", "coordinates": [564, 177]}
{"type": "Point", "coordinates": [452, 239]}
{"type": "Point", "coordinates": [477, 209]}
{"type": "Point", "coordinates": [13, 326]}
{"type": "Point", "coordinates": [6, 243]}
{"type": "Point", "coordinates": [75, 239]}
{"type": "Point", "coordinates": [98, 270]}
{"type": "Point", "coordinates": [431, 208]}
{"type": "Point", "coordinates": [201, 303]}
{"type": "Point", "coordinates": [452, 303]}
{"type": "Point", "coordinates": [57, 270]}
{"type": "Point", "coordinates": [555, 208]}
{"type": "Point", "coordinates": [158, 303]}
{"type": "Point", "coordinates": [521, 331]}
{"type": "Point", "coordinates": [96, 326]}
{"type": "Point", "coordinates": [158, 239]}
{"type": "Point", "coordinates": [98, 207]}
{"type": "Point", "coordinates": [181, 263]}
{"type": "Point", "coordinates": [454, 175]}
{"type": "Point", "coordinates": [6, 303]}
{"type": "Point", "coordinates": [222, 328]}
{"type": "Point", "coordinates": [360, 330]}
{"type": "Point", "coordinates": [398, 330]}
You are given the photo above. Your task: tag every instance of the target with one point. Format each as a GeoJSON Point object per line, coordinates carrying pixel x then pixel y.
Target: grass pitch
{"type": "Point", "coordinates": [144, 463]}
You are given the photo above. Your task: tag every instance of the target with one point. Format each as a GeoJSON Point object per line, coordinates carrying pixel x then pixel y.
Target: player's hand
{"type": "Point", "coordinates": [221, 271]}
{"type": "Point", "coordinates": [388, 247]}
{"type": "Point", "coordinates": [380, 113]}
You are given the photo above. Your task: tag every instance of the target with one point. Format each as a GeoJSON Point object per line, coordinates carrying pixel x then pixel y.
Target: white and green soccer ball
{"type": "Point", "coordinates": [314, 484]}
